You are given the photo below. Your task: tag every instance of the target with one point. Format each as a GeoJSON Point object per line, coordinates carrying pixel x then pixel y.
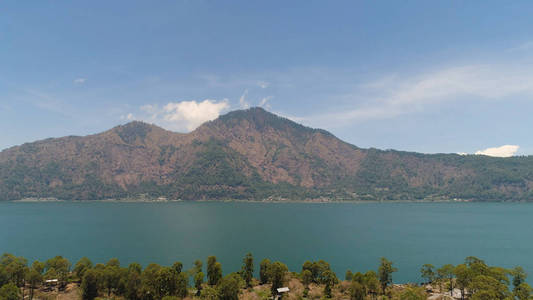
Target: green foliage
{"type": "Point", "coordinates": [181, 285]}
{"type": "Point", "coordinates": [263, 271]}
{"type": "Point", "coordinates": [214, 270]}
{"type": "Point", "coordinates": [474, 278]}
{"type": "Point", "coordinates": [9, 292]}
{"type": "Point", "coordinates": [357, 291]}
{"type": "Point", "coordinates": [61, 267]}
{"type": "Point", "coordinates": [413, 293]}
{"type": "Point", "coordinates": [487, 287]}
{"type": "Point", "coordinates": [209, 293]}
{"type": "Point", "coordinates": [446, 272]}
{"type": "Point", "coordinates": [247, 271]}
{"type": "Point", "coordinates": [276, 273]}
{"type": "Point", "coordinates": [198, 282]}
{"type": "Point", "coordinates": [427, 272]}
{"type": "Point", "coordinates": [82, 266]}
{"type": "Point", "coordinates": [307, 277]}
{"type": "Point", "coordinates": [198, 264]}
{"type": "Point", "coordinates": [229, 287]}
{"type": "Point", "coordinates": [329, 279]}
{"type": "Point", "coordinates": [317, 269]}
{"type": "Point", "coordinates": [371, 282]}
{"type": "Point", "coordinates": [463, 277]}
{"type": "Point", "coordinates": [522, 291]}
{"type": "Point", "coordinates": [519, 276]}
{"type": "Point", "coordinates": [89, 284]}
{"type": "Point", "coordinates": [177, 267]}
{"type": "Point", "coordinates": [385, 271]}
{"type": "Point", "coordinates": [348, 276]}
{"type": "Point", "coordinates": [34, 278]}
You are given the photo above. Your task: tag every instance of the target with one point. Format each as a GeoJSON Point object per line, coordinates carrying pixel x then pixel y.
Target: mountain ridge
{"type": "Point", "coordinates": [249, 154]}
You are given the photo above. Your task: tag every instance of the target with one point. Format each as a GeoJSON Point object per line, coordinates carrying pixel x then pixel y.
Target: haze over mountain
{"type": "Point", "coordinates": [249, 154]}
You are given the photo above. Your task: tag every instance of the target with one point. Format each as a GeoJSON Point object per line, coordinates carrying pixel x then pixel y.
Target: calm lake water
{"type": "Point", "coordinates": [351, 236]}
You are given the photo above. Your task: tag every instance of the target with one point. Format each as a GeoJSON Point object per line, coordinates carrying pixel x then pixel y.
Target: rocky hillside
{"type": "Point", "coordinates": [248, 154]}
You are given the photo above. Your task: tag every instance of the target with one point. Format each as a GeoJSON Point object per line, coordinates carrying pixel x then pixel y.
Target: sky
{"type": "Point", "coordinates": [424, 76]}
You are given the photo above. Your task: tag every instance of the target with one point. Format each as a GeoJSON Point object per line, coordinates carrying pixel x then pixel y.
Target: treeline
{"type": "Point", "coordinates": [478, 281]}
{"type": "Point", "coordinates": [474, 278]}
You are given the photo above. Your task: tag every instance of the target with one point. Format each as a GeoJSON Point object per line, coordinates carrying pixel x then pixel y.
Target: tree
{"type": "Point", "coordinates": [371, 282]}
{"type": "Point", "coordinates": [166, 282]}
{"type": "Point", "coordinates": [149, 281]}
{"type": "Point", "coordinates": [385, 271]}
{"type": "Point", "coordinates": [357, 291]}
{"type": "Point", "coordinates": [16, 268]}
{"type": "Point", "coordinates": [229, 287]}
{"type": "Point", "coordinates": [81, 266]}
{"type": "Point", "coordinates": [329, 279]}
{"type": "Point", "coordinates": [34, 278]}
{"type": "Point", "coordinates": [181, 285]}
{"type": "Point", "coordinates": [427, 272]}
{"type": "Point", "coordinates": [214, 270]}
{"type": "Point", "coordinates": [111, 276]}
{"type": "Point", "coordinates": [197, 266]}
{"type": "Point", "coordinates": [447, 272]}
{"type": "Point", "coordinates": [89, 285]}
{"type": "Point", "coordinates": [519, 276]}
{"type": "Point", "coordinates": [114, 262]}
{"type": "Point", "coordinates": [177, 267]}
{"type": "Point", "coordinates": [319, 267]}
{"type": "Point", "coordinates": [38, 266]}
{"type": "Point", "coordinates": [209, 293]}
{"type": "Point", "coordinates": [276, 274]}
{"type": "Point", "coordinates": [522, 291]}
{"type": "Point", "coordinates": [307, 278]}
{"type": "Point", "coordinates": [471, 260]}
{"type": "Point", "coordinates": [463, 278]}
{"type": "Point", "coordinates": [135, 267]}
{"type": "Point", "coordinates": [348, 276]}
{"type": "Point", "coordinates": [9, 292]}
{"type": "Point", "coordinates": [263, 271]}
{"type": "Point", "coordinates": [359, 277]}
{"type": "Point", "coordinates": [133, 283]}
{"type": "Point", "coordinates": [247, 271]}
{"type": "Point", "coordinates": [61, 266]}
{"type": "Point", "coordinates": [198, 281]}
{"type": "Point", "coordinates": [487, 287]}
{"type": "Point", "coordinates": [413, 293]}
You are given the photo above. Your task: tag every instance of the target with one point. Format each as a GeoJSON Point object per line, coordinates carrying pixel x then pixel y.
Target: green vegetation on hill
{"type": "Point", "coordinates": [250, 154]}
{"type": "Point", "coordinates": [473, 279]}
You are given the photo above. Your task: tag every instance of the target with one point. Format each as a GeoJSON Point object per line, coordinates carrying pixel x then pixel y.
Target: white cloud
{"type": "Point", "coordinates": [264, 102]}
{"type": "Point", "coordinates": [242, 100]}
{"type": "Point", "coordinates": [523, 47]}
{"type": "Point", "coordinates": [392, 96]}
{"type": "Point", "coordinates": [502, 151]}
{"type": "Point", "coordinates": [263, 84]}
{"type": "Point", "coordinates": [80, 80]}
{"type": "Point", "coordinates": [184, 115]}
{"type": "Point", "coordinates": [192, 114]}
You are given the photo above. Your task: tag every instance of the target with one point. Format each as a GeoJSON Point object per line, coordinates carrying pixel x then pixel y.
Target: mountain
{"type": "Point", "coordinates": [249, 154]}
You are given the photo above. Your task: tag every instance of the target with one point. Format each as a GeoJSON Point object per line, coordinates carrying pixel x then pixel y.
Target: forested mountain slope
{"type": "Point", "coordinates": [249, 154]}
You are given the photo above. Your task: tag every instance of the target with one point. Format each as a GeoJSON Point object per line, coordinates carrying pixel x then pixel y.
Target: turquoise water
{"type": "Point", "coordinates": [351, 236]}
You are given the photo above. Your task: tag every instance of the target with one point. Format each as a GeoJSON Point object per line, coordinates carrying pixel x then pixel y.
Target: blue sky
{"type": "Point", "coordinates": [425, 76]}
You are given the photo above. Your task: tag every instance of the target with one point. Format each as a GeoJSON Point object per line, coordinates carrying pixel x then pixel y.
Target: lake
{"type": "Point", "coordinates": [346, 235]}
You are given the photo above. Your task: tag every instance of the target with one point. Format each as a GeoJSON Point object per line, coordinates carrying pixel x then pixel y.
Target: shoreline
{"type": "Point", "coordinates": [49, 200]}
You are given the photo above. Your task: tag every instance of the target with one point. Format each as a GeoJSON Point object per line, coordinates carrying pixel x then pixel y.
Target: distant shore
{"type": "Point", "coordinates": [164, 200]}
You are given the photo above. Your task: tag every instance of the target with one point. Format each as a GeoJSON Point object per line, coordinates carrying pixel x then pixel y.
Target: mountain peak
{"type": "Point", "coordinates": [262, 119]}
{"type": "Point", "coordinates": [129, 132]}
